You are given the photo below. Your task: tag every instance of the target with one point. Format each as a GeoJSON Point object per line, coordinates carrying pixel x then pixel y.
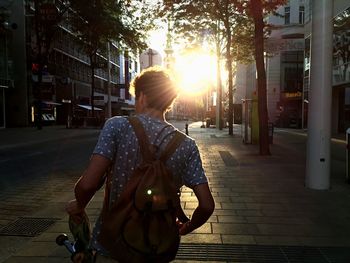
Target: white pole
{"type": "Point", "coordinates": [320, 100]}
{"type": "Point", "coordinates": [109, 103]}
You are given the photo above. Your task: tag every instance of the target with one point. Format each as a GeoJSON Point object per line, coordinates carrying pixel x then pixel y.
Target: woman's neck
{"type": "Point", "coordinates": [154, 113]}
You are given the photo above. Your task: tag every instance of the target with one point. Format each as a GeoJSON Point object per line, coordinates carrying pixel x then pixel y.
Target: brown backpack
{"type": "Point", "coordinates": [141, 225]}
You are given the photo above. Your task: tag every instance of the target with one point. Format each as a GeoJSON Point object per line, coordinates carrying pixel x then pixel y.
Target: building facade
{"type": "Point", "coordinates": [341, 65]}
{"type": "Point", "coordinates": [284, 68]}
{"type": "Point", "coordinates": [288, 67]}
{"type": "Point", "coordinates": [62, 88]}
{"type": "Point", "coordinates": [6, 76]}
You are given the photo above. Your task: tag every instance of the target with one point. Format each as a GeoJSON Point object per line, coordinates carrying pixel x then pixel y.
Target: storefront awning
{"type": "Point", "coordinates": [51, 103]}
{"type": "Point", "coordinates": [88, 107]}
{"type": "Point", "coordinates": [128, 108]}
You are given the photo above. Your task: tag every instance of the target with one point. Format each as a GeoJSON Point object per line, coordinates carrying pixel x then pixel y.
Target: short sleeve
{"type": "Point", "coordinates": [108, 140]}
{"type": "Point", "coordinates": [194, 174]}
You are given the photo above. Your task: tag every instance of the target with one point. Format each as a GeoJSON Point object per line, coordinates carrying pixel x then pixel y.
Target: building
{"type": "Point", "coordinates": [6, 81]}
{"type": "Point", "coordinates": [149, 58]}
{"type": "Point", "coordinates": [288, 67]}
{"type": "Point", "coordinates": [62, 88]}
{"type": "Point", "coordinates": [284, 69]}
{"type": "Point", "coordinates": [341, 65]}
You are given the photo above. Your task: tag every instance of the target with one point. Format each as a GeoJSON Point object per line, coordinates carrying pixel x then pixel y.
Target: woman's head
{"type": "Point", "coordinates": [157, 85]}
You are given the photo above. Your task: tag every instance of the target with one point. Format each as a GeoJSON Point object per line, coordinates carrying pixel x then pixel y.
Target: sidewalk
{"type": "Point", "coordinates": [262, 206]}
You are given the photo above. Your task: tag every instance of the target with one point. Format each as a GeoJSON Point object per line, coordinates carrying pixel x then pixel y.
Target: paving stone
{"type": "Point", "coordinates": [39, 249]}
{"type": "Point", "coordinates": [249, 212]}
{"type": "Point", "coordinates": [235, 228]}
{"type": "Point", "coordinates": [36, 260]}
{"type": "Point", "coordinates": [232, 219]}
{"type": "Point", "coordinates": [277, 240]}
{"type": "Point", "coordinates": [282, 230]}
{"type": "Point", "coordinates": [204, 229]}
{"type": "Point", "coordinates": [238, 239]}
{"type": "Point", "coordinates": [202, 238]}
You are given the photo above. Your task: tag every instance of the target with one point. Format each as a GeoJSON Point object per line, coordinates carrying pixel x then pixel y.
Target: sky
{"type": "Point", "coordinates": [157, 40]}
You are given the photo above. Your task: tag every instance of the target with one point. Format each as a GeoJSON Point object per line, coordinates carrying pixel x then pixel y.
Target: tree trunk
{"type": "Point", "coordinates": [92, 67]}
{"type": "Point", "coordinates": [260, 67]}
{"type": "Point", "coordinates": [219, 117]}
{"type": "Point", "coordinates": [230, 79]}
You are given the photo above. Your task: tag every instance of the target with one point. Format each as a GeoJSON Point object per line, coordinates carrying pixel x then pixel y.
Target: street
{"type": "Point", "coordinates": [55, 164]}
{"type": "Point", "coordinates": [38, 176]}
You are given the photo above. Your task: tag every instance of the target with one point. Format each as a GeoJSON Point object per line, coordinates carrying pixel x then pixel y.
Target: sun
{"type": "Point", "coordinates": [195, 72]}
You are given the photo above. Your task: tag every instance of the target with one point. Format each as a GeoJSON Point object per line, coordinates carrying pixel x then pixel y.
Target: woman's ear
{"type": "Point", "coordinates": [141, 102]}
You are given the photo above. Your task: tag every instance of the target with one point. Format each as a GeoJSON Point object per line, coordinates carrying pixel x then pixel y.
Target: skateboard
{"type": "Point", "coordinates": [79, 249]}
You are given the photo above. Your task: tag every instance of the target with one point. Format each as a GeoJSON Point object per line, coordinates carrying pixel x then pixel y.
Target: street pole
{"type": "Point", "coordinates": [109, 102]}
{"type": "Point", "coordinates": [318, 156]}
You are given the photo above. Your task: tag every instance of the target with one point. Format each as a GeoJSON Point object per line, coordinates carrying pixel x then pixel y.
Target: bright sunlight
{"type": "Point", "coordinates": [195, 72]}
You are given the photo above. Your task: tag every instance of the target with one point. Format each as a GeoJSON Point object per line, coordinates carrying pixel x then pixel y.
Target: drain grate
{"type": "Point", "coordinates": [228, 159]}
{"type": "Point", "coordinates": [260, 253]}
{"type": "Point", "coordinates": [27, 226]}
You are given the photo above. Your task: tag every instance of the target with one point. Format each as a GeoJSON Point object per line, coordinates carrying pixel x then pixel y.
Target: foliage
{"type": "Point", "coordinates": [240, 25]}
{"type": "Point", "coordinates": [124, 22]}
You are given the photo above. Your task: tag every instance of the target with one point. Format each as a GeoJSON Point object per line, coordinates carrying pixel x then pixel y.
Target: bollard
{"type": "Point", "coordinates": [347, 155]}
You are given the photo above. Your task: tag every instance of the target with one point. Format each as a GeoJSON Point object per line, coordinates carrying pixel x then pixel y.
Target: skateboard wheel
{"type": "Point", "coordinates": [60, 239]}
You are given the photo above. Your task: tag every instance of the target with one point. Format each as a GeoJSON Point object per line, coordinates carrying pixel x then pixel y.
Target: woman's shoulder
{"type": "Point", "coordinates": [116, 122]}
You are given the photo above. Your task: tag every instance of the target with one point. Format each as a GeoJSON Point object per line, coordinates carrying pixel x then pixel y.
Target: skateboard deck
{"type": "Point", "coordinates": [79, 248]}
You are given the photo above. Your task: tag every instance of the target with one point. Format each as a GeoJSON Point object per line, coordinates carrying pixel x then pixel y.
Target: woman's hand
{"type": "Point", "coordinates": [75, 211]}
{"type": "Point", "coordinates": [184, 228]}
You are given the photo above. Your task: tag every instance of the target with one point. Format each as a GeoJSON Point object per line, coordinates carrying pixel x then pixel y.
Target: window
{"type": "Point", "coordinates": [292, 71]}
{"type": "Point", "coordinates": [301, 14]}
{"type": "Point", "coordinates": [287, 15]}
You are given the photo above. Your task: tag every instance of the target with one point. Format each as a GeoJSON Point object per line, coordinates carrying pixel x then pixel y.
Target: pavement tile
{"type": "Point", "coordinates": [235, 228]}
{"type": "Point", "coordinates": [232, 219]}
{"type": "Point", "coordinates": [202, 238]}
{"type": "Point", "coordinates": [278, 240]}
{"type": "Point", "coordinates": [233, 205]}
{"type": "Point", "coordinates": [39, 249]}
{"type": "Point", "coordinates": [249, 212]}
{"type": "Point", "coordinates": [238, 239]}
{"type": "Point", "coordinates": [36, 259]}
{"type": "Point", "coordinates": [227, 212]}
{"type": "Point", "coordinates": [282, 230]}
{"type": "Point", "coordinates": [204, 229]}
{"type": "Point", "coordinates": [324, 241]}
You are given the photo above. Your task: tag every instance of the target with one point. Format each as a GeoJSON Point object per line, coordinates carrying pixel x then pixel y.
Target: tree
{"type": "Point", "coordinates": [241, 24]}
{"type": "Point", "coordinates": [97, 22]}
{"type": "Point", "coordinates": [47, 16]}
{"type": "Point", "coordinates": [257, 9]}
{"type": "Point", "coordinates": [220, 20]}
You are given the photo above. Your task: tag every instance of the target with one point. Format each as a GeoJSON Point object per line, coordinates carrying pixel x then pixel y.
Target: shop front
{"type": "Point", "coordinates": [341, 71]}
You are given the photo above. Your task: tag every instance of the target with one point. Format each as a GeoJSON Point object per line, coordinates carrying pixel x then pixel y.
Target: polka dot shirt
{"type": "Point", "coordinates": [119, 143]}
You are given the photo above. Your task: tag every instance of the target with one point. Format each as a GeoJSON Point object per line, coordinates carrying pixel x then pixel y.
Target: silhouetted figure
{"type": "Point", "coordinates": [38, 114]}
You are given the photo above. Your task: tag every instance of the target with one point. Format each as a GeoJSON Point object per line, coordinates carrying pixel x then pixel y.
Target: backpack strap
{"type": "Point", "coordinates": [168, 151]}
{"type": "Point", "coordinates": [172, 146]}
{"type": "Point", "coordinates": [146, 153]}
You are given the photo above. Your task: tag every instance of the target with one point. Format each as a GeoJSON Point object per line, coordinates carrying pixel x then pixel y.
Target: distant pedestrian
{"type": "Point", "coordinates": [38, 114]}
{"type": "Point", "coordinates": [186, 128]}
{"type": "Point", "coordinates": [118, 148]}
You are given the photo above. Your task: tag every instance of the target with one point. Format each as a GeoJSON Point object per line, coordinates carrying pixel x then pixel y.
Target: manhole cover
{"type": "Point", "coordinates": [27, 226]}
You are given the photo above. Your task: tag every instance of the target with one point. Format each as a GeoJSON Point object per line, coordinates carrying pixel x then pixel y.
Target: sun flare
{"type": "Point", "coordinates": [195, 72]}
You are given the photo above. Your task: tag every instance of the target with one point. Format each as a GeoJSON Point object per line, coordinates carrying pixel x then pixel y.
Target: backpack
{"type": "Point", "coordinates": [141, 225]}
